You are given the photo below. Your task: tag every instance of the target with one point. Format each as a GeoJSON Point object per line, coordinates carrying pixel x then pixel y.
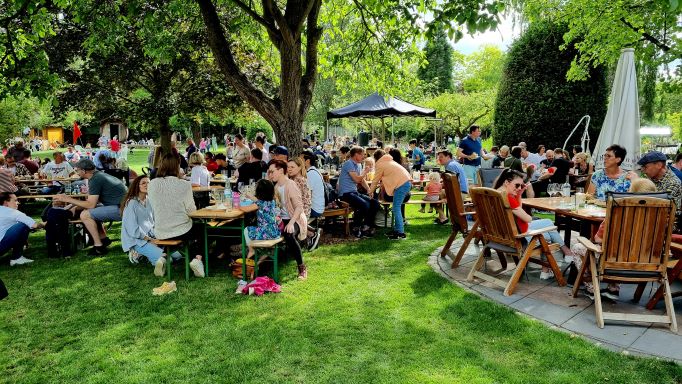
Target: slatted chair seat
{"type": "Point", "coordinates": [171, 245]}
{"type": "Point", "coordinates": [266, 243]}
{"type": "Point", "coordinates": [637, 255]}
{"type": "Point", "coordinates": [499, 232]}
{"type": "Point", "coordinates": [259, 256]}
{"type": "Point", "coordinates": [167, 243]}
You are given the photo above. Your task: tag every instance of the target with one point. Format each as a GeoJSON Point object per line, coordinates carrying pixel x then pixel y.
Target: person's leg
{"type": "Point", "coordinates": [471, 173]}
{"type": "Point", "coordinates": [398, 198]}
{"type": "Point", "coordinates": [150, 251]}
{"type": "Point", "coordinates": [551, 236]}
{"type": "Point", "coordinates": [91, 226]}
{"type": "Point", "coordinates": [358, 204]}
{"type": "Point", "coordinates": [97, 216]}
{"type": "Point", "coordinates": [51, 190]}
{"type": "Point", "coordinates": [15, 239]}
{"type": "Point", "coordinates": [372, 209]}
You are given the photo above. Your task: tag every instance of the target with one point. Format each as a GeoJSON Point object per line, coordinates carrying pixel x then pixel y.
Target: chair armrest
{"type": "Point", "coordinates": [676, 248]}
{"type": "Point", "coordinates": [589, 245]}
{"type": "Point", "coordinates": [536, 232]}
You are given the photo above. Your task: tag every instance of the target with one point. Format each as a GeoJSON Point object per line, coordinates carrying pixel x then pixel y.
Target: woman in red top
{"type": "Point", "coordinates": [511, 183]}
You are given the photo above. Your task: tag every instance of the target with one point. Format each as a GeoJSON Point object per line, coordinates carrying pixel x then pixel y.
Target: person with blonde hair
{"type": "Point", "coordinates": [201, 177]}
{"type": "Point", "coordinates": [297, 172]}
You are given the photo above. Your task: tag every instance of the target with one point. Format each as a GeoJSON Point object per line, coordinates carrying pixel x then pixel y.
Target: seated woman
{"type": "Point", "coordinates": [511, 183]}
{"type": "Point", "coordinates": [137, 228]}
{"type": "Point", "coordinates": [201, 177]}
{"type": "Point", "coordinates": [14, 229]}
{"type": "Point", "coordinates": [613, 290]}
{"type": "Point", "coordinates": [581, 168]}
{"type": "Point", "coordinates": [172, 202]}
{"type": "Point", "coordinates": [612, 177]}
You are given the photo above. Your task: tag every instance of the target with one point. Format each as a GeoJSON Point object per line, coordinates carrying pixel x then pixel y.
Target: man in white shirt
{"type": "Point", "coordinates": [531, 158]}
{"type": "Point", "coordinates": [14, 228]}
{"type": "Point", "coordinates": [316, 185]}
{"type": "Point", "coordinates": [260, 144]}
{"type": "Point", "coordinates": [59, 168]}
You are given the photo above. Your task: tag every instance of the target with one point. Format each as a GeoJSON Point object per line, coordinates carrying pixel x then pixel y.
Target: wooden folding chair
{"type": "Point", "coordinates": [500, 233]}
{"type": "Point", "coordinates": [457, 209]}
{"type": "Point", "coordinates": [635, 250]}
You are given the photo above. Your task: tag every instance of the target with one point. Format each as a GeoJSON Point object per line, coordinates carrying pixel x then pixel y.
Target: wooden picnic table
{"type": "Point", "coordinates": [591, 216]}
{"type": "Point", "coordinates": [22, 180]}
{"type": "Point", "coordinates": [31, 197]}
{"type": "Point", "coordinates": [216, 223]}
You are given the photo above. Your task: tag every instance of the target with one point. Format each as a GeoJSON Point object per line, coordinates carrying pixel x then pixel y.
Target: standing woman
{"type": "Point", "coordinates": [296, 172]}
{"type": "Point", "coordinates": [172, 202]}
{"type": "Point", "coordinates": [137, 228]}
{"type": "Point", "coordinates": [291, 212]}
{"type": "Point", "coordinates": [510, 182]}
{"type": "Point", "coordinates": [397, 183]}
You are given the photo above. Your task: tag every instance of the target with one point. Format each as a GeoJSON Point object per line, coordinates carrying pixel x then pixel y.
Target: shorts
{"type": "Point", "coordinates": [106, 213]}
{"type": "Point", "coordinates": [431, 198]}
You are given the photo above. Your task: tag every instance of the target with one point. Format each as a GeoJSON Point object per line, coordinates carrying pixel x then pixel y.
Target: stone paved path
{"type": "Point", "coordinates": [546, 301]}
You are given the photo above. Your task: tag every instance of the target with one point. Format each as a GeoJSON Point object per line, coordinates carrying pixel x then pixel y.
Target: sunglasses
{"type": "Point", "coordinates": [518, 185]}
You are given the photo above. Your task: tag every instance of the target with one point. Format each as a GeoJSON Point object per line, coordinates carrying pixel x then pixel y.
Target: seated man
{"type": "Point", "coordinates": [59, 168]}
{"type": "Point", "coordinates": [14, 228]}
{"type": "Point", "coordinates": [365, 207]}
{"type": "Point", "coordinates": [559, 176]}
{"type": "Point", "coordinates": [105, 194]}
{"type": "Point", "coordinates": [253, 169]}
{"type": "Point", "coordinates": [654, 167]}
{"type": "Point", "coordinates": [453, 166]}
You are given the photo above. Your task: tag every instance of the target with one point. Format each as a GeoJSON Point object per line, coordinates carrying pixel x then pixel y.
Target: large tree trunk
{"type": "Point", "coordinates": [165, 133]}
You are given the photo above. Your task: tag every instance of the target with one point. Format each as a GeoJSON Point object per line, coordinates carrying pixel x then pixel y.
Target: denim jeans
{"type": "Point", "coordinates": [14, 239]}
{"type": "Point", "coordinates": [471, 172]}
{"type": "Point", "coordinates": [364, 206]}
{"type": "Point", "coordinates": [399, 195]}
{"type": "Point", "coordinates": [551, 236]}
{"type": "Point", "coordinates": [153, 253]}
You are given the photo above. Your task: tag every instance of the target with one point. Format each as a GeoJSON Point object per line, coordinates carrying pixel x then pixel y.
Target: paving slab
{"type": "Point", "coordinates": [543, 310]}
{"type": "Point", "coordinates": [660, 343]}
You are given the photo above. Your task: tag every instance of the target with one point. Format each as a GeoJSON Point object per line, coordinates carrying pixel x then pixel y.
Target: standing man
{"type": "Point", "coordinates": [365, 207]}
{"type": "Point", "coordinates": [105, 193]}
{"type": "Point", "coordinates": [469, 150]}
{"type": "Point", "coordinates": [418, 158]}
{"type": "Point", "coordinates": [240, 154]}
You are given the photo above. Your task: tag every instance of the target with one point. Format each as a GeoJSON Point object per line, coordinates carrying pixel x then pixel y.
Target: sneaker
{"type": "Point", "coordinates": [160, 267]}
{"type": "Point", "coordinates": [438, 222]}
{"type": "Point", "coordinates": [302, 272]}
{"type": "Point", "coordinates": [421, 210]}
{"type": "Point", "coordinates": [546, 275]}
{"type": "Point", "coordinates": [368, 234]}
{"type": "Point", "coordinates": [431, 210]}
{"type": "Point", "coordinates": [314, 241]}
{"type": "Point", "coordinates": [98, 251]}
{"type": "Point", "coordinates": [398, 236]}
{"type": "Point", "coordinates": [165, 288]}
{"type": "Point", "coordinates": [20, 261]}
{"type": "Point", "coordinates": [133, 257]}
{"type": "Point", "coordinates": [106, 242]}
{"type": "Point", "coordinates": [389, 234]}
{"type": "Point", "coordinates": [613, 295]}
{"type": "Point", "coordinates": [240, 286]}
{"type": "Point", "coordinates": [197, 267]}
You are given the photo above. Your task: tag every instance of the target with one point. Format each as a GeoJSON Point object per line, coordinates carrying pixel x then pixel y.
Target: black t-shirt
{"type": "Point", "coordinates": [498, 161]}
{"type": "Point", "coordinates": [251, 171]}
{"type": "Point", "coordinates": [562, 166]}
{"type": "Point", "coordinates": [546, 163]}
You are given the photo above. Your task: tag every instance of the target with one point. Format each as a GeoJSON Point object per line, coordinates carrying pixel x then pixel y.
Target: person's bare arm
{"type": "Point", "coordinates": [89, 203]}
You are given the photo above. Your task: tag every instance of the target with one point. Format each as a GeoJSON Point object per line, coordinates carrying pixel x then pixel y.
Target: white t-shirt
{"type": "Point", "coordinates": [316, 185]}
{"type": "Point", "coordinates": [9, 217]}
{"type": "Point", "coordinates": [58, 171]}
{"type": "Point", "coordinates": [200, 176]}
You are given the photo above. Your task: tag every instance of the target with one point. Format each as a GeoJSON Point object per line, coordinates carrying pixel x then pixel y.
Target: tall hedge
{"type": "Point", "coordinates": [536, 103]}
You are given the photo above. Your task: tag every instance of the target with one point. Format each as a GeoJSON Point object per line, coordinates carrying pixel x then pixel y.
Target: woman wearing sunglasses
{"type": "Point", "coordinates": [511, 182]}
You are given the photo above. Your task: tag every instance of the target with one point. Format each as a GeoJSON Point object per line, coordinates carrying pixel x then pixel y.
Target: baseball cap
{"type": "Point", "coordinates": [85, 164]}
{"type": "Point", "coordinates": [652, 157]}
{"type": "Point", "coordinates": [281, 150]}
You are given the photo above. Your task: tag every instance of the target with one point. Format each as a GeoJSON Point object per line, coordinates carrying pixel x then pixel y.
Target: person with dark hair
{"type": "Point", "coordinates": [15, 168]}
{"type": "Point", "coordinates": [172, 201]}
{"type": "Point", "coordinates": [396, 183]}
{"type": "Point", "coordinates": [211, 164]}
{"type": "Point", "coordinates": [254, 169]}
{"type": "Point", "coordinates": [418, 158]}
{"type": "Point", "coordinates": [221, 162]}
{"type": "Point", "coordinates": [334, 159]}
{"type": "Point", "coordinates": [454, 167]}
{"type": "Point", "coordinates": [137, 227]}
{"type": "Point", "coordinates": [105, 193]}
{"type": "Point", "coordinates": [291, 211]}
{"type": "Point", "coordinates": [470, 151]}
{"type": "Point", "coordinates": [676, 166]}
{"type": "Point", "coordinates": [316, 186]}
{"type": "Point", "coordinates": [191, 148]}
{"type": "Point", "coordinates": [260, 144]}
{"type": "Point", "coordinates": [541, 151]}
{"type": "Point", "coordinates": [266, 217]}
{"type": "Point", "coordinates": [576, 150]}
{"type": "Point", "coordinates": [31, 165]}
{"type": "Point", "coordinates": [612, 177]}
{"type": "Point", "coordinates": [16, 151]}
{"type": "Point", "coordinates": [280, 153]}
{"type": "Point", "coordinates": [511, 183]}
{"type": "Point", "coordinates": [514, 162]}
{"type": "Point", "coordinates": [366, 208]}
{"type": "Point", "coordinates": [240, 153]}
{"type": "Point", "coordinates": [345, 153]}
{"type": "Point", "coordinates": [14, 229]}
{"type": "Point", "coordinates": [556, 173]}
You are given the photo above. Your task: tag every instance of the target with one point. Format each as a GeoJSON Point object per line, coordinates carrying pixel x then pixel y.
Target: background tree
{"type": "Point", "coordinates": [536, 103]}
{"type": "Point", "coordinates": [438, 69]}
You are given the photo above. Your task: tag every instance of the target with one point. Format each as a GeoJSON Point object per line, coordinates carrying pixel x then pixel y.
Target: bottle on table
{"type": "Point", "coordinates": [228, 194]}
{"type": "Point", "coordinates": [566, 188]}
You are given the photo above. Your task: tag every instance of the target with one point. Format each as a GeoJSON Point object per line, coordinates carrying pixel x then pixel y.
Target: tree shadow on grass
{"type": "Point", "coordinates": [428, 282]}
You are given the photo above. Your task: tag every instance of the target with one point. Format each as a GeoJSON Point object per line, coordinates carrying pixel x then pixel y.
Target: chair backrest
{"type": "Point", "coordinates": [495, 217]}
{"type": "Point", "coordinates": [453, 194]}
{"type": "Point", "coordinates": [487, 176]}
{"type": "Point", "coordinates": [637, 234]}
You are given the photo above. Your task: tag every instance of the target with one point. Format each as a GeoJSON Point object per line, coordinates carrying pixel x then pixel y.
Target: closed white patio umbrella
{"type": "Point", "coordinates": [621, 125]}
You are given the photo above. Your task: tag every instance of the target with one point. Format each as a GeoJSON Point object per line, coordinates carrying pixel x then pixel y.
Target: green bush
{"type": "Point", "coordinates": [535, 102]}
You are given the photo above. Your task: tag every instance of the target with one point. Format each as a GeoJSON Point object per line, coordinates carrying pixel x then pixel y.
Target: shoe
{"type": "Point", "coordinates": [302, 272]}
{"type": "Point", "coordinates": [20, 261]}
{"type": "Point", "coordinates": [398, 236]}
{"type": "Point", "coordinates": [314, 241]}
{"type": "Point", "coordinates": [98, 251]}
{"type": "Point", "coordinates": [368, 234]}
{"type": "Point", "coordinates": [546, 275]}
{"type": "Point", "coordinates": [421, 210]}
{"type": "Point", "coordinates": [106, 242]}
{"type": "Point", "coordinates": [240, 286]}
{"type": "Point", "coordinates": [357, 234]}
{"type": "Point", "coordinates": [438, 222]}
{"type": "Point", "coordinates": [389, 234]}
{"type": "Point", "coordinates": [160, 267]}
{"type": "Point", "coordinates": [133, 257]}
{"type": "Point", "coordinates": [197, 267]}
{"type": "Point", "coordinates": [165, 288]}
{"type": "Point", "coordinates": [431, 210]}
{"type": "Point", "coordinates": [613, 295]}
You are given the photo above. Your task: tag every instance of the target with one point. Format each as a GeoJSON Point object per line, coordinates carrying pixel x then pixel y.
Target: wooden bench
{"type": "Point", "coordinates": [169, 246]}
{"type": "Point", "coordinates": [386, 204]}
{"type": "Point", "coordinates": [344, 211]}
{"type": "Point", "coordinates": [261, 245]}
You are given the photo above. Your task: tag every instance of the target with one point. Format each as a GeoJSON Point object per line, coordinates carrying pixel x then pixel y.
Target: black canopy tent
{"type": "Point", "coordinates": [375, 106]}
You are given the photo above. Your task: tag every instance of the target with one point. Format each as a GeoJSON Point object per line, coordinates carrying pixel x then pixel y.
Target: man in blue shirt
{"type": "Point", "coordinates": [365, 207]}
{"type": "Point", "coordinates": [676, 166]}
{"type": "Point", "coordinates": [469, 151]}
{"type": "Point", "coordinates": [417, 156]}
{"type": "Point", "coordinates": [452, 166]}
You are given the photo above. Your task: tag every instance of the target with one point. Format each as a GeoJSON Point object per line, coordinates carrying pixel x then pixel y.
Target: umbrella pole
{"type": "Point", "coordinates": [393, 131]}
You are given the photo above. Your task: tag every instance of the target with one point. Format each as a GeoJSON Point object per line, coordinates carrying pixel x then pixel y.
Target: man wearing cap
{"type": "Point", "coordinates": [654, 167]}
{"type": "Point", "coordinates": [105, 194]}
{"type": "Point", "coordinates": [281, 153]}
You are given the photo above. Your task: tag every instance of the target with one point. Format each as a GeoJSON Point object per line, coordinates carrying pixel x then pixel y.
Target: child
{"type": "Point", "coordinates": [200, 174]}
{"type": "Point", "coordinates": [432, 189]}
{"type": "Point", "coordinates": [267, 228]}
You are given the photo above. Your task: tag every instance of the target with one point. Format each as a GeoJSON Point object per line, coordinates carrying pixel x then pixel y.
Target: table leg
{"type": "Point", "coordinates": [205, 249]}
{"type": "Point", "coordinates": [241, 234]}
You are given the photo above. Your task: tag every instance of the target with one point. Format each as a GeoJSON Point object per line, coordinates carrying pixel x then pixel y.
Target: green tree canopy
{"type": "Point", "coordinates": [437, 73]}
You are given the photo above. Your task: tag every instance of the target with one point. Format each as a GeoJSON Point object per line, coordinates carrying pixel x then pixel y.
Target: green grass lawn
{"type": "Point", "coordinates": [371, 311]}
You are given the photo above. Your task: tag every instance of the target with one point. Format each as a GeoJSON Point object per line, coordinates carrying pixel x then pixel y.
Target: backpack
{"type": "Point", "coordinates": [330, 194]}
{"type": "Point", "coordinates": [57, 233]}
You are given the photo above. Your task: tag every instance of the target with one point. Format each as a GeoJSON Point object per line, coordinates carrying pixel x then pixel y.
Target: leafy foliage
{"type": "Point", "coordinates": [536, 103]}
{"type": "Point", "coordinates": [17, 113]}
{"type": "Point", "coordinates": [438, 69]}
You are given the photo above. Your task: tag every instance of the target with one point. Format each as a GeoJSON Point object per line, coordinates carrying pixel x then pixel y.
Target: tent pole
{"type": "Point", "coordinates": [393, 131]}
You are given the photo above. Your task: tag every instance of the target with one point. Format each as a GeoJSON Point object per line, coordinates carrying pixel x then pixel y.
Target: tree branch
{"type": "Point", "coordinates": [254, 15]}
{"type": "Point", "coordinates": [311, 61]}
{"type": "Point", "coordinates": [653, 40]}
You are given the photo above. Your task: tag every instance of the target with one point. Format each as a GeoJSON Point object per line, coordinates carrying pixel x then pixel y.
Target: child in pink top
{"type": "Point", "coordinates": [433, 187]}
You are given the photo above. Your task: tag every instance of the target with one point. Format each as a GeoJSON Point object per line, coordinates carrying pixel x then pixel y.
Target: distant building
{"type": "Point", "coordinates": [114, 126]}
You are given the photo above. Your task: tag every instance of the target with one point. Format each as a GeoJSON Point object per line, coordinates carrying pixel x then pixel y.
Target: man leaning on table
{"type": "Point", "coordinates": [105, 194]}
